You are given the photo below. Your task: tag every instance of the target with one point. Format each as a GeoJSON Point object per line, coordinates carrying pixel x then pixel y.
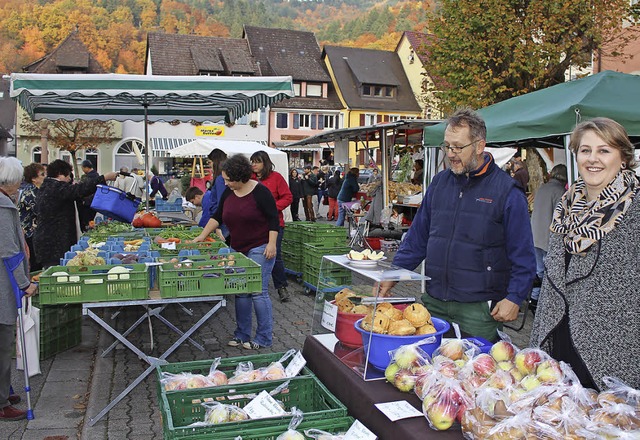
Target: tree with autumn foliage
{"type": "Point", "coordinates": [486, 52]}
{"type": "Point", "coordinates": [73, 136]}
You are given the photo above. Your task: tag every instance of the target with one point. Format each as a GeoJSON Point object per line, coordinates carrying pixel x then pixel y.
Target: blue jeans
{"type": "Point", "coordinates": [540, 254]}
{"type": "Point", "coordinates": [341, 214]}
{"type": "Point", "coordinates": [278, 274]}
{"type": "Point", "coordinates": [260, 302]}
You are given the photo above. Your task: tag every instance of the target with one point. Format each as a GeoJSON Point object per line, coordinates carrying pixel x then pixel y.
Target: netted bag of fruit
{"type": "Point", "coordinates": [562, 415]}
{"type": "Point", "coordinates": [216, 377]}
{"type": "Point", "coordinates": [458, 350]}
{"type": "Point", "coordinates": [619, 392]}
{"type": "Point", "coordinates": [217, 413]}
{"type": "Point", "coordinates": [245, 373]}
{"type": "Point", "coordinates": [318, 434]}
{"type": "Point", "coordinates": [291, 433]}
{"type": "Point", "coordinates": [444, 403]}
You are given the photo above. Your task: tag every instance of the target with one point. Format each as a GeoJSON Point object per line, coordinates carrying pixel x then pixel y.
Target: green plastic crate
{"type": "Point", "coordinates": [312, 253]}
{"type": "Point", "coordinates": [305, 393]}
{"type": "Point", "coordinates": [292, 260]}
{"type": "Point", "coordinates": [226, 365]}
{"type": "Point", "coordinates": [60, 327]}
{"type": "Point", "coordinates": [93, 284]}
{"type": "Point", "coordinates": [331, 278]}
{"type": "Point", "coordinates": [210, 247]}
{"type": "Point", "coordinates": [326, 234]}
{"type": "Point", "coordinates": [332, 426]}
{"type": "Point", "coordinates": [206, 278]}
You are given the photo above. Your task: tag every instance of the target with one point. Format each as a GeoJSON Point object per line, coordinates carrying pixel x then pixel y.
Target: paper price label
{"type": "Point", "coordinates": [171, 245]}
{"type": "Point", "coordinates": [296, 365]}
{"type": "Point", "coordinates": [400, 409]}
{"type": "Point", "coordinates": [329, 316]}
{"type": "Point", "coordinates": [359, 432]}
{"type": "Point", "coordinates": [264, 406]}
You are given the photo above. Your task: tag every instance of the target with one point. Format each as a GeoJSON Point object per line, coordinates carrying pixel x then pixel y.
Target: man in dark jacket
{"type": "Point", "coordinates": [473, 230]}
{"type": "Point", "coordinates": [85, 213]}
{"type": "Point", "coordinates": [309, 189]}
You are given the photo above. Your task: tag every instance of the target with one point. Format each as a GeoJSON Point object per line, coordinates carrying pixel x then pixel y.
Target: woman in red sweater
{"type": "Point", "coordinates": [263, 170]}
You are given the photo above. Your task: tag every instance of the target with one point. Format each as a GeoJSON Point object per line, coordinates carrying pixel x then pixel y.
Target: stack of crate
{"type": "Point", "coordinates": [297, 234]}
{"type": "Point", "coordinates": [60, 327]}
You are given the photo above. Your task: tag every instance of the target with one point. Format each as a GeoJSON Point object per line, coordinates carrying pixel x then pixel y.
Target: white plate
{"type": "Point", "coordinates": [365, 264]}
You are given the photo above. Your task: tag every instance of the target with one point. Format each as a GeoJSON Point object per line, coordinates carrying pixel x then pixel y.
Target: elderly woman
{"type": "Point", "coordinates": [249, 211]}
{"type": "Point", "coordinates": [33, 177]}
{"type": "Point", "coordinates": [588, 308]}
{"type": "Point", "coordinates": [11, 243]}
{"type": "Point", "coordinates": [56, 210]}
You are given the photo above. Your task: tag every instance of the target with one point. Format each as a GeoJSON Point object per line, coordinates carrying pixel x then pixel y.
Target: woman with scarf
{"type": "Point", "coordinates": [588, 311]}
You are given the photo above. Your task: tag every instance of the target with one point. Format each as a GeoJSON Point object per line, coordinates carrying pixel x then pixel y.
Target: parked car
{"type": "Point", "coordinates": [364, 176]}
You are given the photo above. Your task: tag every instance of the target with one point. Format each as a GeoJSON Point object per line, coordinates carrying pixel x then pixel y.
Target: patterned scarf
{"type": "Point", "coordinates": [584, 223]}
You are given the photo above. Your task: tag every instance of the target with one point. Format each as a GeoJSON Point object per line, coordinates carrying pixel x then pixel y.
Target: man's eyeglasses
{"type": "Point", "coordinates": [456, 150]}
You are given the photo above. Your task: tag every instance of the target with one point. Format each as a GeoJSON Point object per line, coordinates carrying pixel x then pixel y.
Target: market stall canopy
{"type": "Point", "coordinates": [549, 114]}
{"type": "Point", "coordinates": [115, 97]}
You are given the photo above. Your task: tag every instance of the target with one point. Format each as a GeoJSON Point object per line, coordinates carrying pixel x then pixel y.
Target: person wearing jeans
{"type": "Point", "coordinates": [249, 211]}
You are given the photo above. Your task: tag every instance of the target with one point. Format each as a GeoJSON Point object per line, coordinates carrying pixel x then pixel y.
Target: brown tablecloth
{"type": "Point", "coordinates": [359, 397]}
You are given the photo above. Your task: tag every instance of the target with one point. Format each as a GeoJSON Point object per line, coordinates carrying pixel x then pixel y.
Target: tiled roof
{"type": "Point", "coordinates": [173, 54]}
{"type": "Point", "coordinates": [353, 66]}
{"type": "Point", "coordinates": [70, 55]}
{"type": "Point", "coordinates": [287, 52]}
{"type": "Point", "coordinates": [420, 43]}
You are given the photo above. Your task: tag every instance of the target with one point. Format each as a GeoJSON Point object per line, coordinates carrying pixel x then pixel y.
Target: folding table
{"type": "Point", "coordinates": [216, 303]}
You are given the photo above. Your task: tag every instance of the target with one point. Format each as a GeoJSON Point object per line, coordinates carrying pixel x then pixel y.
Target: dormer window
{"type": "Point", "coordinates": [314, 90]}
{"type": "Point", "coordinates": [377, 91]}
{"type": "Point", "coordinates": [296, 89]}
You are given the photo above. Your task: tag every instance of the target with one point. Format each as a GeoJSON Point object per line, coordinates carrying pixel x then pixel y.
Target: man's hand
{"type": "Point", "coordinates": [31, 290]}
{"type": "Point", "coordinates": [505, 311]}
{"type": "Point", "coordinates": [384, 288]}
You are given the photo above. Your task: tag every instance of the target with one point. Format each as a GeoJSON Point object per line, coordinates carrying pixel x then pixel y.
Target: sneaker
{"type": "Point", "coordinates": [251, 345]}
{"type": "Point", "coordinates": [235, 342]}
{"type": "Point", "coordinates": [283, 294]}
{"type": "Point", "coordinates": [14, 399]}
{"type": "Point", "coordinates": [9, 413]}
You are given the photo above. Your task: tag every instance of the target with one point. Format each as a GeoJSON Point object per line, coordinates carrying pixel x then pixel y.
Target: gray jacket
{"type": "Point", "coordinates": [600, 293]}
{"type": "Point", "coordinates": [11, 243]}
{"type": "Point", "coordinates": [547, 198]}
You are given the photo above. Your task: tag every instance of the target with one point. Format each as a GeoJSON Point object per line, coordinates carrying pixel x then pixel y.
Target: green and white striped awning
{"type": "Point", "coordinates": [114, 97]}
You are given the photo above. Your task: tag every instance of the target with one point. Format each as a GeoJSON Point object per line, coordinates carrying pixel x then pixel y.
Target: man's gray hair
{"type": "Point", "coordinates": [466, 117]}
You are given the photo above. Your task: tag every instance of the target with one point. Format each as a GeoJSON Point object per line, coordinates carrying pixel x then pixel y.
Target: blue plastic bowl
{"type": "Point", "coordinates": [381, 345]}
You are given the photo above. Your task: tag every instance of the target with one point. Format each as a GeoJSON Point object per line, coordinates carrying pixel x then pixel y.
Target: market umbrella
{"type": "Point", "coordinates": [115, 97]}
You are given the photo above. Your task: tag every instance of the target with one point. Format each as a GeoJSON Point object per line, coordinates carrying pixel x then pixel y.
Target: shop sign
{"type": "Point", "coordinates": [210, 130]}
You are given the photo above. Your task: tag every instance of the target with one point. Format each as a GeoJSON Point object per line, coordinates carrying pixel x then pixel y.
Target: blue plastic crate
{"type": "Point", "coordinates": [165, 206]}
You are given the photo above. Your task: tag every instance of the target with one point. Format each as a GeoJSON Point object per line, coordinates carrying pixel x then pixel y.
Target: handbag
{"type": "Point", "coordinates": [31, 321]}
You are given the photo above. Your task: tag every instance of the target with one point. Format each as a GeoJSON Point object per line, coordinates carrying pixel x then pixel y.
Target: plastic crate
{"type": "Point", "coordinates": [60, 327]}
{"type": "Point", "coordinates": [329, 278]}
{"type": "Point", "coordinates": [226, 365]}
{"type": "Point", "coordinates": [305, 393]}
{"type": "Point", "coordinates": [332, 426]}
{"type": "Point", "coordinates": [177, 280]}
{"type": "Point", "coordinates": [326, 234]}
{"type": "Point", "coordinates": [166, 206]}
{"type": "Point", "coordinates": [292, 260]}
{"type": "Point", "coordinates": [93, 284]}
{"type": "Point", "coordinates": [312, 253]}
{"type": "Point", "coordinates": [204, 247]}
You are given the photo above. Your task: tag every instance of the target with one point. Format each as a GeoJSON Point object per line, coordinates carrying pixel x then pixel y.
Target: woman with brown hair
{"type": "Point", "coordinates": [33, 176]}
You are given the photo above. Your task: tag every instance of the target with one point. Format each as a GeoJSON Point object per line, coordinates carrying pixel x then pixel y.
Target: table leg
{"type": "Point", "coordinates": [126, 333]}
{"type": "Point", "coordinates": [153, 362]}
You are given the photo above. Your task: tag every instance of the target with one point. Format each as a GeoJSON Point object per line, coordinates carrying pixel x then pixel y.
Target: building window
{"type": "Point", "coordinates": [394, 118]}
{"type": "Point", "coordinates": [329, 122]}
{"type": "Point", "coordinates": [296, 89]}
{"type": "Point", "coordinates": [305, 121]}
{"type": "Point", "coordinates": [370, 119]}
{"type": "Point", "coordinates": [314, 90]}
{"type": "Point", "coordinates": [92, 155]}
{"type": "Point", "coordinates": [377, 91]}
{"type": "Point", "coordinates": [282, 120]}
{"type": "Point", "coordinates": [36, 155]}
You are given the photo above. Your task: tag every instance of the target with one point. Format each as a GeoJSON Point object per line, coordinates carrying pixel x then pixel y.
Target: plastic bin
{"type": "Point", "coordinates": [166, 206]}
{"type": "Point", "coordinates": [60, 327]}
{"type": "Point", "coordinates": [93, 284]}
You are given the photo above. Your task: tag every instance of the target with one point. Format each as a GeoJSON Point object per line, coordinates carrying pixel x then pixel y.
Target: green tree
{"type": "Point", "coordinates": [489, 51]}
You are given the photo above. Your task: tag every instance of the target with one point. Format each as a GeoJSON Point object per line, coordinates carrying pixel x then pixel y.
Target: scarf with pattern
{"type": "Point", "coordinates": [584, 222]}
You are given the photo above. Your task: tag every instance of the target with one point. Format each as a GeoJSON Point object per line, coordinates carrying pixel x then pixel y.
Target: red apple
{"type": "Point", "coordinates": [405, 380]}
{"type": "Point", "coordinates": [503, 351]}
{"type": "Point", "coordinates": [549, 371]}
{"type": "Point", "coordinates": [441, 415]}
{"type": "Point", "coordinates": [218, 378]}
{"type": "Point", "coordinates": [484, 365]}
{"type": "Point", "coordinates": [528, 359]}
{"type": "Point", "coordinates": [452, 348]}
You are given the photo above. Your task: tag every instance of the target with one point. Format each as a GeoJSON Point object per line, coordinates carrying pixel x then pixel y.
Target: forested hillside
{"type": "Point", "coordinates": [115, 30]}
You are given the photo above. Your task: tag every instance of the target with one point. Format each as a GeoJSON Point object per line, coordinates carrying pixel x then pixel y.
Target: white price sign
{"type": "Point", "coordinates": [296, 365]}
{"type": "Point", "coordinates": [171, 245]}
{"type": "Point", "coordinates": [359, 432]}
{"type": "Point", "coordinates": [329, 316]}
{"type": "Point", "coordinates": [400, 409]}
{"type": "Point", "coordinates": [264, 406]}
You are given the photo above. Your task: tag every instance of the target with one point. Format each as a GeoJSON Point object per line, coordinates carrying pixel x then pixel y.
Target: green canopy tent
{"type": "Point", "coordinates": [114, 97]}
{"type": "Point", "coordinates": [546, 117]}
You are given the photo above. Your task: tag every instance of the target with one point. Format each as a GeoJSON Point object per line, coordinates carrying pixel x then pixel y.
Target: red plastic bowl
{"type": "Point", "coordinates": [345, 327]}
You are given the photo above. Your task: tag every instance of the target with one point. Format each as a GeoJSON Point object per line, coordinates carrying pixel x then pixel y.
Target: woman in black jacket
{"type": "Point", "coordinates": [333, 188]}
{"type": "Point", "coordinates": [295, 186]}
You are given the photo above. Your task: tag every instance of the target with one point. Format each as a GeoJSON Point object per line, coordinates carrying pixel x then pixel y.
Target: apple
{"type": "Point", "coordinates": [452, 348]}
{"type": "Point", "coordinates": [176, 383]}
{"type": "Point", "coordinates": [197, 381]}
{"type": "Point", "coordinates": [405, 380]}
{"type": "Point", "coordinates": [484, 365]}
{"type": "Point", "coordinates": [502, 351]}
{"type": "Point", "coordinates": [390, 372]}
{"type": "Point", "coordinates": [422, 384]}
{"type": "Point", "coordinates": [422, 369]}
{"type": "Point", "coordinates": [506, 365]}
{"type": "Point", "coordinates": [516, 374]}
{"type": "Point", "coordinates": [500, 380]}
{"type": "Point", "coordinates": [291, 434]}
{"type": "Point", "coordinates": [446, 367]}
{"type": "Point", "coordinates": [218, 378]}
{"type": "Point", "coordinates": [530, 382]}
{"type": "Point", "coordinates": [217, 414]}
{"type": "Point", "coordinates": [406, 356]}
{"type": "Point", "coordinates": [528, 359]}
{"type": "Point", "coordinates": [441, 415]}
{"type": "Point", "coordinates": [274, 372]}
{"type": "Point", "coordinates": [549, 371]}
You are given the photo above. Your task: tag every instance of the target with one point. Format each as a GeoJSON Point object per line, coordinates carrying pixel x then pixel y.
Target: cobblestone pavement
{"type": "Point", "coordinates": [76, 384]}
